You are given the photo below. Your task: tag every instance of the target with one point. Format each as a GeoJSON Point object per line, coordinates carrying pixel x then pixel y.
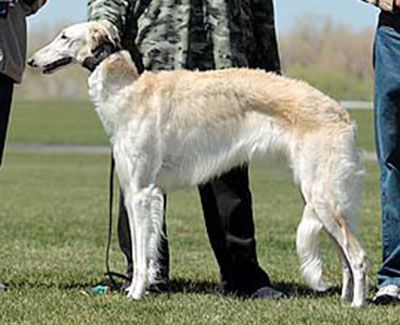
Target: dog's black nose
{"type": "Point", "coordinates": [32, 63]}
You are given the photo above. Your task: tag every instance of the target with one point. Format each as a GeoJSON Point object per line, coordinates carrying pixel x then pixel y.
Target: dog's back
{"type": "Point", "coordinates": [213, 96]}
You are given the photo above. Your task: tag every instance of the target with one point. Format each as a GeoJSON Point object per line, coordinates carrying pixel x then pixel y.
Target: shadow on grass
{"type": "Point", "coordinates": [177, 285]}
{"type": "Point", "coordinates": [184, 285]}
{"type": "Point", "coordinates": [181, 285]}
{"type": "Point", "coordinates": [296, 290]}
{"type": "Point", "coordinates": [27, 284]}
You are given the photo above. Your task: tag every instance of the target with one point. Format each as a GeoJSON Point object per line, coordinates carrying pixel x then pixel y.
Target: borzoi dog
{"type": "Point", "coordinates": [181, 128]}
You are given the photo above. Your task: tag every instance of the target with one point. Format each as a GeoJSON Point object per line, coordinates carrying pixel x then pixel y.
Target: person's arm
{"type": "Point", "coordinates": [115, 11]}
{"type": "Point", "coordinates": [265, 55]}
{"type": "Point", "coordinates": [31, 6]}
{"type": "Point", "coordinates": [119, 13]}
{"type": "Point", "coordinates": [387, 5]}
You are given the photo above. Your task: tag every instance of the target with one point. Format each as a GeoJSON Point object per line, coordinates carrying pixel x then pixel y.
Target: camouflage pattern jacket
{"type": "Point", "coordinates": [194, 34]}
{"type": "Point", "coordinates": [13, 38]}
{"type": "Point", "coordinates": [386, 5]}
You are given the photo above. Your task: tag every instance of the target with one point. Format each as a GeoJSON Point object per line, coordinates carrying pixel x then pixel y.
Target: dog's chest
{"type": "Point", "coordinates": [108, 117]}
{"type": "Point", "coordinates": [107, 105]}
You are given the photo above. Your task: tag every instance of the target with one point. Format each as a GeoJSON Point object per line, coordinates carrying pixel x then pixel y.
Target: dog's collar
{"type": "Point", "coordinates": [99, 54]}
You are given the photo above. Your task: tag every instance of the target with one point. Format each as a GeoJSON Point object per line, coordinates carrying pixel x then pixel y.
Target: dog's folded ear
{"type": "Point", "coordinates": [104, 41]}
{"type": "Point", "coordinates": [105, 33]}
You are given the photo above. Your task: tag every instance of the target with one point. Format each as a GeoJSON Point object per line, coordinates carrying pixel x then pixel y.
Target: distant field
{"type": "Point", "coordinates": [52, 122]}
{"type": "Point", "coordinates": [365, 123]}
{"type": "Point", "coordinates": [77, 123]}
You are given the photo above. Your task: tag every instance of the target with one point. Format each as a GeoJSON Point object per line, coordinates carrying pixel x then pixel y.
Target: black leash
{"type": "Point", "coordinates": [110, 274]}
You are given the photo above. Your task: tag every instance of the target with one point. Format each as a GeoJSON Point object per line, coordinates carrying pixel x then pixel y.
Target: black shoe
{"type": "Point", "coordinates": [385, 300]}
{"type": "Point", "coordinates": [268, 293]}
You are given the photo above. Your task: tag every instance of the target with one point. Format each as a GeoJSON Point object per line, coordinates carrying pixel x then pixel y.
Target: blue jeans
{"type": "Point", "coordinates": [387, 132]}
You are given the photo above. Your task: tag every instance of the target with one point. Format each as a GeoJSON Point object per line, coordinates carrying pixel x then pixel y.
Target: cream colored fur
{"type": "Point", "coordinates": [180, 128]}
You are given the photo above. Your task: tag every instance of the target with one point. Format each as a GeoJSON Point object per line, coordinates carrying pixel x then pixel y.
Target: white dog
{"type": "Point", "coordinates": [181, 128]}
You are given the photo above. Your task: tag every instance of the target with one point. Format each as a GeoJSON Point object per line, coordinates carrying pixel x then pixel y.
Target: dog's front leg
{"type": "Point", "coordinates": [136, 173]}
{"type": "Point", "coordinates": [137, 153]}
{"type": "Point", "coordinates": [138, 203]}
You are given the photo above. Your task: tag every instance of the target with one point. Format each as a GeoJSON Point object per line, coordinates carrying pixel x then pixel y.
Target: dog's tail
{"type": "Point", "coordinates": [344, 182]}
{"type": "Point", "coordinates": [348, 175]}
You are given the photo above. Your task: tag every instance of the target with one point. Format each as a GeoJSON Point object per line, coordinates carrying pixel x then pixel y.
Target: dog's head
{"type": "Point", "coordinates": [86, 43]}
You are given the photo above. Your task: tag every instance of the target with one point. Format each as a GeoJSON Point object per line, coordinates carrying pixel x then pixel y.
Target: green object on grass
{"type": "Point", "coordinates": [99, 290]}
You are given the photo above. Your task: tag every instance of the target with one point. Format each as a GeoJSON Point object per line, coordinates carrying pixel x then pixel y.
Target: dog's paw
{"type": "Point", "coordinates": [358, 303]}
{"type": "Point", "coordinates": [134, 294]}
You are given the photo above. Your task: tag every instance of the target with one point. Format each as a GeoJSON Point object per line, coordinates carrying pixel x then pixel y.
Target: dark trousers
{"type": "Point", "coordinates": [387, 131]}
{"type": "Point", "coordinates": [228, 216]}
{"type": "Point", "coordinates": [6, 91]}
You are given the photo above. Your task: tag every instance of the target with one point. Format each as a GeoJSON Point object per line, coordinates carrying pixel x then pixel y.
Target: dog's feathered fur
{"type": "Point", "coordinates": [181, 128]}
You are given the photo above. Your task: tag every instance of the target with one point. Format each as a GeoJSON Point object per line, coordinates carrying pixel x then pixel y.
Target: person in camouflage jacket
{"type": "Point", "coordinates": [204, 34]}
{"type": "Point", "coordinates": [12, 56]}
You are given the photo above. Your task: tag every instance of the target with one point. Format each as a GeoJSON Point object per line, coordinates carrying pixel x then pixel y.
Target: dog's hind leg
{"type": "Point", "coordinates": [336, 225]}
{"type": "Point", "coordinates": [147, 206]}
{"type": "Point", "coordinates": [132, 231]}
{"type": "Point", "coordinates": [308, 250]}
{"type": "Point", "coordinates": [157, 219]}
{"type": "Point", "coordinates": [347, 275]}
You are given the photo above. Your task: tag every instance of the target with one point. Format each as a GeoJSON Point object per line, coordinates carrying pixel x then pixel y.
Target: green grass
{"type": "Point", "coordinates": [365, 125]}
{"type": "Point", "coordinates": [53, 228]}
{"type": "Point", "coordinates": [48, 122]}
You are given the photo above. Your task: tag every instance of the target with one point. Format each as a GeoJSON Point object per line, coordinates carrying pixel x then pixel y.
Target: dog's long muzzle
{"type": "Point", "coordinates": [49, 68]}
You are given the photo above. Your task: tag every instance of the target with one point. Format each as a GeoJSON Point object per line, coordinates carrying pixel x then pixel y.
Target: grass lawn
{"type": "Point", "coordinates": [52, 122]}
{"type": "Point", "coordinates": [53, 227]}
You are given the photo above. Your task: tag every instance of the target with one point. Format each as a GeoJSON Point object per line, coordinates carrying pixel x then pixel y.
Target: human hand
{"type": "Point", "coordinates": [397, 3]}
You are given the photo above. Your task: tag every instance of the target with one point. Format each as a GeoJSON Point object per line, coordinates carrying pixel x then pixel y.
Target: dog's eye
{"type": "Point", "coordinates": [64, 37]}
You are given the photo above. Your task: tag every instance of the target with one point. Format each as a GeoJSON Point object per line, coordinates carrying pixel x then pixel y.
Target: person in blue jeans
{"type": "Point", "coordinates": [387, 133]}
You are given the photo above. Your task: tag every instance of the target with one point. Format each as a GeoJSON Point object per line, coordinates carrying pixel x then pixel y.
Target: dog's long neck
{"type": "Point", "coordinates": [108, 89]}
{"type": "Point", "coordinates": [107, 102]}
